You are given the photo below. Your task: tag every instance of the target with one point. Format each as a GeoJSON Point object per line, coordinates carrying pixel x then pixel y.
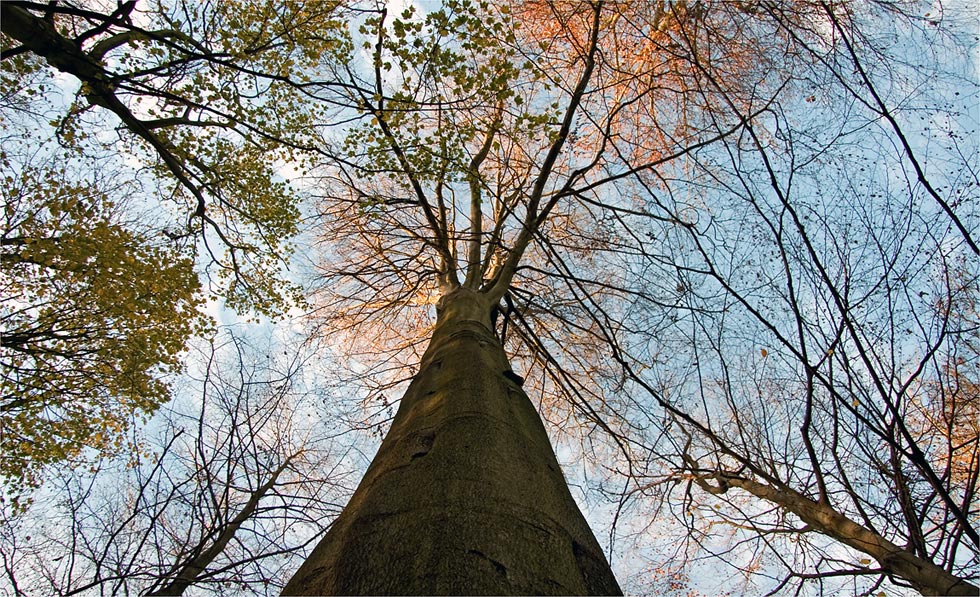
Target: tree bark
{"type": "Point", "coordinates": [465, 495]}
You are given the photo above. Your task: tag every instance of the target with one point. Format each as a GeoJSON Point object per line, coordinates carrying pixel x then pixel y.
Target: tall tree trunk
{"type": "Point", "coordinates": [465, 495]}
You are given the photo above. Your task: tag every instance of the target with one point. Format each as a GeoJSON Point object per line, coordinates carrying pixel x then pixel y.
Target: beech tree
{"type": "Point", "coordinates": [711, 240]}
{"type": "Point", "coordinates": [629, 198]}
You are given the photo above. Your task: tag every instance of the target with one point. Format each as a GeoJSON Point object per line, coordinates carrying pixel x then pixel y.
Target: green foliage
{"type": "Point", "coordinates": [447, 78]}
{"type": "Point", "coordinates": [95, 315]}
{"type": "Point", "coordinates": [174, 121]}
{"type": "Point", "coordinates": [214, 99]}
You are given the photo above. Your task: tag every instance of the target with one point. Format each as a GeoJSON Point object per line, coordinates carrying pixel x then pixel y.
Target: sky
{"type": "Point", "coordinates": [630, 558]}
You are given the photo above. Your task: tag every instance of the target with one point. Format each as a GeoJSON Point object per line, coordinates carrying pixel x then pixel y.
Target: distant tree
{"type": "Point", "coordinates": [220, 498]}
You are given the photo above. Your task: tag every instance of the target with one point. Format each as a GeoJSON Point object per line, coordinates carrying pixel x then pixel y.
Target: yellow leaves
{"type": "Point", "coordinates": [97, 305]}
{"type": "Point", "coordinates": [763, 352]}
{"type": "Point", "coordinates": [93, 314]}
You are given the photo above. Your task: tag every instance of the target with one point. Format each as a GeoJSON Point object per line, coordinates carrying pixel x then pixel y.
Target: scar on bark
{"type": "Point", "coordinates": [514, 377]}
{"type": "Point", "coordinates": [500, 568]}
{"type": "Point", "coordinates": [424, 445]}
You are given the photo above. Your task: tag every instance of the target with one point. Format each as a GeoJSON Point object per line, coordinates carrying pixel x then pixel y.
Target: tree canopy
{"type": "Point", "coordinates": [95, 314]}
{"type": "Point", "coordinates": [725, 243]}
{"type": "Point", "coordinates": [141, 146]}
{"type": "Point", "coordinates": [732, 247]}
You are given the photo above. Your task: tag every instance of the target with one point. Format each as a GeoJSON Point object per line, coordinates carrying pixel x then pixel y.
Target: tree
{"type": "Point", "coordinates": [94, 313]}
{"type": "Point", "coordinates": [187, 112]}
{"type": "Point", "coordinates": [205, 91]}
{"type": "Point", "coordinates": [709, 238]}
{"type": "Point", "coordinates": [810, 325]}
{"type": "Point", "coordinates": [625, 186]}
{"type": "Point", "coordinates": [232, 481]}
{"type": "Point", "coordinates": [465, 493]}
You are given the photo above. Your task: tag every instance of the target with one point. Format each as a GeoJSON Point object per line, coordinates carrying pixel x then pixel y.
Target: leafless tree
{"type": "Point", "coordinates": [240, 478]}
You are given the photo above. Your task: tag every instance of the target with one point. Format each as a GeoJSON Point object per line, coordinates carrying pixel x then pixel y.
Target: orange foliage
{"type": "Point", "coordinates": [666, 68]}
{"type": "Point", "coordinates": [675, 581]}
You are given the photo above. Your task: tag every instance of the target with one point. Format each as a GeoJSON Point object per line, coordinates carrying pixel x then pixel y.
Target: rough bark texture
{"type": "Point", "coordinates": [465, 495]}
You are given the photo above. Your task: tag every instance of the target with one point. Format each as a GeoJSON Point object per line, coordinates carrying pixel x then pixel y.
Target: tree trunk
{"type": "Point", "coordinates": [465, 495]}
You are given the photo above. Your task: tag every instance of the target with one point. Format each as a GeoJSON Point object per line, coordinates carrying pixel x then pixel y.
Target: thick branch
{"type": "Point", "coordinates": [448, 276]}
{"type": "Point", "coordinates": [40, 37]}
{"type": "Point", "coordinates": [532, 221]}
{"type": "Point", "coordinates": [473, 265]}
{"type": "Point", "coordinates": [927, 577]}
{"type": "Point", "coordinates": [190, 572]}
